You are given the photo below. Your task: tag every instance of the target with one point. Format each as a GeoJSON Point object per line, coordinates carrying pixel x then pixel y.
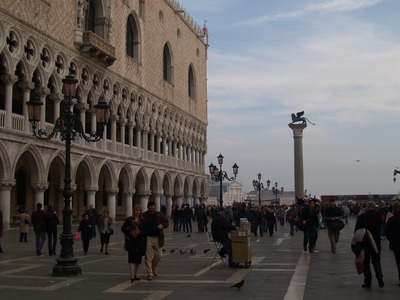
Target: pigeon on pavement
{"type": "Point", "coordinates": [238, 285]}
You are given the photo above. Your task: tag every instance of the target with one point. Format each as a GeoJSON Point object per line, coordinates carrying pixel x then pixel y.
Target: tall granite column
{"type": "Point", "coordinates": [298, 159]}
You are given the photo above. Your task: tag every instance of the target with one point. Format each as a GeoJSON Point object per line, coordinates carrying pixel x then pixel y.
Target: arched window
{"type": "Point", "coordinates": [132, 38]}
{"type": "Point", "coordinates": [191, 83]}
{"type": "Point", "coordinates": [167, 64]}
{"type": "Point", "coordinates": [90, 17]}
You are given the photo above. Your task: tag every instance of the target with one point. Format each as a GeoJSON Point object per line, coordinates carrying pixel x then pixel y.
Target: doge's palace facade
{"type": "Point", "coordinates": [147, 58]}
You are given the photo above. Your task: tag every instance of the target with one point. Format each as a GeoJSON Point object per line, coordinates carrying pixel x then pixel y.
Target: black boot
{"type": "Point", "coordinates": [380, 281]}
{"type": "Point", "coordinates": [367, 284]}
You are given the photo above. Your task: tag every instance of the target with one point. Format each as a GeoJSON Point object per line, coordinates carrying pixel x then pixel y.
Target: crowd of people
{"type": "Point", "coordinates": [144, 231]}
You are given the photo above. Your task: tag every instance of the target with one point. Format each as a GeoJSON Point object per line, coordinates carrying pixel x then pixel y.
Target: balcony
{"type": "Point", "coordinates": [98, 48]}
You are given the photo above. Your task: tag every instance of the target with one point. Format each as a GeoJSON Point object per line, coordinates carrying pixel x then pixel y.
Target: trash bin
{"type": "Point", "coordinates": [241, 248]}
{"type": "Point", "coordinates": [245, 226]}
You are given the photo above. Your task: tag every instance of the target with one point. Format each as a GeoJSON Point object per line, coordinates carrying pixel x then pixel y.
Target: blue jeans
{"type": "Point", "coordinates": [52, 242]}
{"type": "Point", "coordinates": [40, 239]}
{"type": "Point", "coordinates": [291, 223]}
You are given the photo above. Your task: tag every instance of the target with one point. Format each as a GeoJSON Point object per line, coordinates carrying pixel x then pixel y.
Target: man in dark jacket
{"type": "Point", "coordinates": [311, 223]}
{"type": "Point", "coordinates": [220, 229]}
{"type": "Point", "coordinates": [392, 232]}
{"type": "Point", "coordinates": [39, 226]}
{"type": "Point", "coordinates": [187, 215]}
{"type": "Point", "coordinates": [371, 220]}
{"type": "Point", "coordinates": [154, 224]}
{"type": "Point", "coordinates": [332, 213]}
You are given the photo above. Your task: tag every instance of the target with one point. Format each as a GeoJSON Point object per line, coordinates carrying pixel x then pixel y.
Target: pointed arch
{"type": "Point", "coordinates": [132, 38]}
{"type": "Point", "coordinates": [168, 67]}
{"type": "Point", "coordinates": [191, 82]}
{"type": "Point", "coordinates": [5, 164]}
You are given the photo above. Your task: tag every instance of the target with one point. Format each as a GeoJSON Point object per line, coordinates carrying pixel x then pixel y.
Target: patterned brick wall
{"type": "Point", "coordinates": [57, 19]}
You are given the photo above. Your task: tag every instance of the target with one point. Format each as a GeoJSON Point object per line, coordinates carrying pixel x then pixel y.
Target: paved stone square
{"type": "Point", "coordinates": [279, 270]}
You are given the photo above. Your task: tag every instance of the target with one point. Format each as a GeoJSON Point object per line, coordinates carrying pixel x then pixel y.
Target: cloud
{"type": "Point", "coordinates": [355, 69]}
{"type": "Point", "coordinates": [325, 7]}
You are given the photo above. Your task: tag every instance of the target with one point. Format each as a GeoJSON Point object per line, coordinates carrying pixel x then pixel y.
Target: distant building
{"type": "Point", "coordinates": [268, 198]}
{"type": "Point", "coordinates": [231, 193]}
{"type": "Point", "coordinates": [361, 199]}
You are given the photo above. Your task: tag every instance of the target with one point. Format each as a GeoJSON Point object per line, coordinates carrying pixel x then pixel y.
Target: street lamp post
{"type": "Point", "coordinates": [218, 175]}
{"type": "Point", "coordinates": [258, 185]}
{"type": "Point", "coordinates": [68, 126]}
{"type": "Point", "coordinates": [276, 192]}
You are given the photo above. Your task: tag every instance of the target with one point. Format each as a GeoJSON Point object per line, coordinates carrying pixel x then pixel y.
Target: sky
{"type": "Point", "coordinates": [336, 60]}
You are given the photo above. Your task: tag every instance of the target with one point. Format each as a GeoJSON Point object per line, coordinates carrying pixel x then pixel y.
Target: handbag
{"type": "Point", "coordinates": [111, 231]}
{"type": "Point", "coordinates": [26, 221]}
{"type": "Point", "coordinates": [335, 225]}
{"type": "Point", "coordinates": [359, 262]}
{"type": "Point", "coordinates": [77, 236]}
{"type": "Point", "coordinates": [299, 224]}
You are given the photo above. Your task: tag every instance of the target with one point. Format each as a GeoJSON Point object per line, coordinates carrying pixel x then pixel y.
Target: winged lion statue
{"type": "Point", "coordinates": [298, 117]}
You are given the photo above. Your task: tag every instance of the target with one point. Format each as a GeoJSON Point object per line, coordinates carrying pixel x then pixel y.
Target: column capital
{"type": "Point", "coordinates": [297, 129]}
{"type": "Point", "coordinates": [7, 184]}
{"type": "Point", "coordinates": [73, 187]}
{"type": "Point", "coordinates": [132, 192]}
{"type": "Point", "coordinates": [129, 194]}
{"type": "Point", "coordinates": [114, 118]}
{"type": "Point", "coordinates": [82, 106]}
{"type": "Point", "coordinates": [93, 189]}
{"type": "Point", "coordinates": [26, 85]}
{"type": "Point", "coordinates": [112, 191]}
{"type": "Point", "coordinates": [40, 186]}
{"type": "Point", "coordinates": [144, 193]}
{"type": "Point", "coordinates": [123, 121]}
{"type": "Point", "coordinates": [56, 97]}
{"type": "Point", "coordinates": [9, 78]}
{"type": "Point", "coordinates": [43, 91]}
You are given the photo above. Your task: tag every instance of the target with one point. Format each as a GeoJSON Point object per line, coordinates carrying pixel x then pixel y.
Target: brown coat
{"type": "Point", "coordinates": [23, 227]}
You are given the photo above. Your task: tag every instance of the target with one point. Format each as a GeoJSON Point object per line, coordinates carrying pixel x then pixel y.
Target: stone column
{"type": "Point", "coordinates": [40, 188]}
{"type": "Point", "coordinates": [93, 120]}
{"type": "Point", "coordinates": [122, 134]}
{"type": "Point", "coordinates": [82, 117]}
{"type": "Point", "coordinates": [128, 203]}
{"type": "Point", "coordinates": [169, 143]}
{"type": "Point", "coordinates": [5, 203]}
{"type": "Point", "coordinates": [163, 145]}
{"type": "Point", "coordinates": [130, 126]}
{"type": "Point", "coordinates": [114, 120]}
{"type": "Point", "coordinates": [111, 202]}
{"type": "Point", "coordinates": [298, 159]}
{"type": "Point", "coordinates": [43, 92]}
{"type": "Point", "coordinates": [9, 81]}
{"type": "Point", "coordinates": [157, 198]}
{"type": "Point", "coordinates": [138, 137]}
{"type": "Point", "coordinates": [144, 199]}
{"type": "Point", "coordinates": [158, 143]}
{"type": "Point", "coordinates": [91, 195]}
{"type": "Point", "coordinates": [27, 87]}
{"type": "Point", "coordinates": [152, 134]}
{"type": "Point", "coordinates": [144, 142]}
{"type": "Point", "coordinates": [169, 205]}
